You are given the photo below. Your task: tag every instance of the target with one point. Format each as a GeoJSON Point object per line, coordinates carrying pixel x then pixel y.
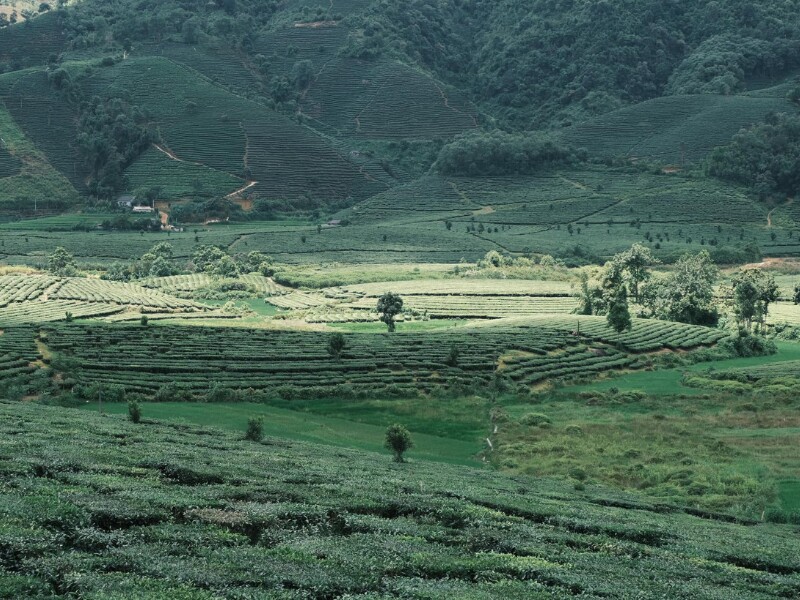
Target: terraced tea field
{"type": "Point", "coordinates": [667, 129]}
{"type": "Point", "coordinates": [528, 351]}
{"type": "Point", "coordinates": [30, 299]}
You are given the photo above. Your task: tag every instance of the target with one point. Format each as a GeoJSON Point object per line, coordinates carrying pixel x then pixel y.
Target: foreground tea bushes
{"type": "Point", "coordinates": [97, 507]}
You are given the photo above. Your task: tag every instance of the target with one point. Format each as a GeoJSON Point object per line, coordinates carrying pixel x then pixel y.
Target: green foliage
{"type": "Point", "coordinates": [112, 135]}
{"type": "Point", "coordinates": [618, 316]}
{"type": "Point", "coordinates": [61, 262]}
{"type": "Point", "coordinates": [134, 411]}
{"type": "Point", "coordinates": [221, 517]}
{"type": "Point", "coordinates": [336, 345]}
{"type": "Point", "coordinates": [389, 306]}
{"type": "Point", "coordinates": [255, 429]}
{"type": "Point", "coordinates": [635, 263]}
{"type": "Point", "coordinates": [764, 157]}
{"type": "Point", "coordinates": [752, 291]}
{"type": "Point", "coordinates": [686, 295]}
{"type": "Point", "coordinates": [720, 64]}
{"type": "Point", "coordinates": [452, 356]}
{"type": "Point", "coordinates": [479, 154]}
{"type": "Point", "coordinates": [398, 440]}
{"type": "Point", "coordinates": [746, 344]}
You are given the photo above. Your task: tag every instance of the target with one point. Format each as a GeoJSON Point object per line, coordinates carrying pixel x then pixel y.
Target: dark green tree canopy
{"type": "Point", "coordinates": [389, 306]}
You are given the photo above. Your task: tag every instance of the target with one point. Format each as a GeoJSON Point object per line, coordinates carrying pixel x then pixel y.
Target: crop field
{"type": "Point", "coordinates": [765, 372]}
{"type": "Point", "coordinates": [218, 63]}
{"type": "Point", "coordinates": [385, 100]}
{"type": "Point", "coordinates": [9, 165]}
{"type": "Point", "coordinates": [179, 179]}
{"type": "Point", "coordinates": [784, 312]}
{"type": "Point", "coordinates": [37, 185]}
{"type": "Point", "coordinates": [18, 352]}
{"type": "Point", "coordinates": [186, 284]}
{"type": "Point", "coordinates": [33, 43]}
{"type": "Point", "coordinates": [322, 522]}
{"type": "Point", "coordinates": [43, 298]}
{"type": "Point", "coordinates": [529, 351]}
{"type": "Point", "coordinates": [243, 138]}
{"type": "Point", "coordinates": [666, 129]}
{"type": "Point", "coordinates": [46, 119]}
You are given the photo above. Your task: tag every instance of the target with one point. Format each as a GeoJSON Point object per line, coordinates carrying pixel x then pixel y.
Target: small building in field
{"type": "Point", "coordinates": [143, 209]}
{"type": "Point", "coordinates": [126, 200]}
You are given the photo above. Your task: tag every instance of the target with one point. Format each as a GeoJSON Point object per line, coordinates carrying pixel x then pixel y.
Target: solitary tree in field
{"type": "Point", "coordinates": [255, 429]}
{"type": "Point", "coordinates": [619, 317]}
{"type": "Point", "coordinates": [61, 262]}
{"type": "Point", "coordinates": [336, 345]}
{"type": "Point", "coordinates": [134, 411]}
{"type": "Point", "coordinates": [796, 297]}
{"type": "Point", "coordinates": [398, 440]}
{"type": "Point", "coordinates": [389, 306]}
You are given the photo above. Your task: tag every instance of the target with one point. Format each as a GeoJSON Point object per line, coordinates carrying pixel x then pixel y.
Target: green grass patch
{"type": "Point", "coordinates": [293, 424]}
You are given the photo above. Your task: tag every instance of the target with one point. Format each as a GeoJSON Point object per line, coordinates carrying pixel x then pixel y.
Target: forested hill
{"type": "Point", "coordinates": [304, 104]}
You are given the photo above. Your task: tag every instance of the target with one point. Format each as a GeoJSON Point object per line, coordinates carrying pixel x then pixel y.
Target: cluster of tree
{"type": "Point", "coordinates": [160, 261]}
{"type": "Point", "coordinates": [685, 295]}
{"type": "Point", "coordinates": [720, 64]}
{"type": "Point", "coordinates": [156, 262]}
{"type": "Point", "coordinates": [112, 134]}
{"type": "Point", "coordinates": [98, 22]}
{"type": "Point", "coordinates": [765, 157]}
{"type": "Point", "coordinates": [477, 154]}
{"type": "Point", "coordinates": [61, 262]}
{"type": "Point", "coordinates": [124, 222]}
{"type": "Point", "coordinates": [751, 293]}
{"type": "Point", "coordinates": [204, 210]}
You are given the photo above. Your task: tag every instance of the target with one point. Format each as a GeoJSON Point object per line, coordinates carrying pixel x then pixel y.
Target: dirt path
{"type": "Point", "coordinates": [576, 184]}
{"type": "Point", "coordinates": [241, 190]}
{"type": "Point", "coordinates": [784, 205]}
{"type": "Point", "coordinates": [453, 108]}
{"type": "Point", "coordinates": [167, 152]}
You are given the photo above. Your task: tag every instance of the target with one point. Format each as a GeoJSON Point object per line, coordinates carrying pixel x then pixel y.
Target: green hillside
{"type": "Point", "coordinates": [306, 108]}
{"type": "Point", "coordinates": [173, 511]}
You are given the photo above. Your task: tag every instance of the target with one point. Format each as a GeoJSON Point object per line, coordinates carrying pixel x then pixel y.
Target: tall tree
{"type": "Point", "coordinates": [619, 316]}
{"type": "Point", "coordinates": [752, 291]}
{"type": "Point", "coordinates": [389, 306]}
{"type": "Point", "coordinates": [635, 263]}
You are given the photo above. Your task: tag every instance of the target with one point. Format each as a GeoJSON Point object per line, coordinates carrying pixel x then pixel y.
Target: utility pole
{"type": "Point", "coordinates": [100, 401]}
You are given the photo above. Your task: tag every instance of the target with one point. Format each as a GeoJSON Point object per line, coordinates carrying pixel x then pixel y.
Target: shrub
{"type": "Point", "coordinates": [134, 411]}
{"type": "Point", "coordinates": [336, 345]}
{"type": "Point", "coordinates": [398, 440]}
{"type": "Point", "coordinates": [255, 429]}
{"type": "Point", "coordinates": [534, 419]}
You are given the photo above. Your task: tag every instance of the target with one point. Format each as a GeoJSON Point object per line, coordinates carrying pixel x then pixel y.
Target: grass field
{"type": "Point", "coordinates": [308, 426]}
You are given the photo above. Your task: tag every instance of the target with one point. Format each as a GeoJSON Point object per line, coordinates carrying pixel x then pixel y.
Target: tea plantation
{"type": "Point", "coordinates": [97, 507]}
{"type": "Point", "coordinates": [291, 362]}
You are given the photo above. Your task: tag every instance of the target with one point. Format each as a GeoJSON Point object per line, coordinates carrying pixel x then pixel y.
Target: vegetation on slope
{"type": "Point", "coordinates": [170, 511]}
